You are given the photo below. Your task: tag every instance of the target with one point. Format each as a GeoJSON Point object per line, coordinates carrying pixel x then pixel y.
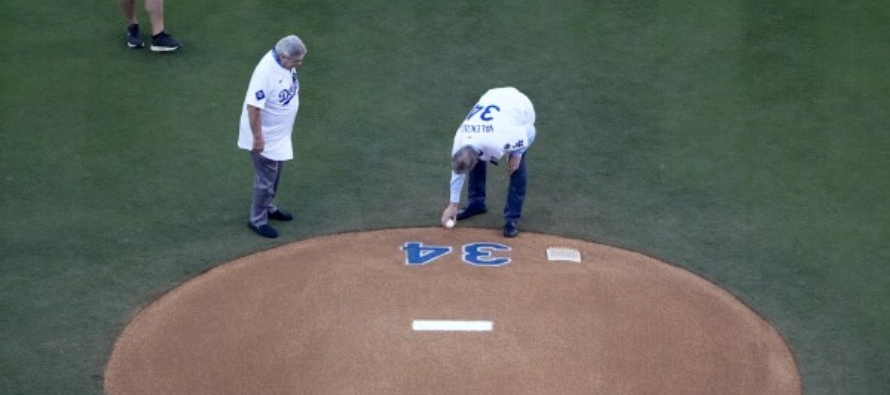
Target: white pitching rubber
{"type": "Point", "coordinates": [449, 326]}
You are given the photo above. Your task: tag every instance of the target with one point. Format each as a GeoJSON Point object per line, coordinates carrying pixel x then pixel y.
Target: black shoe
{"type": "Point", "coordinates": [263, 230]}
{"type": "Point", "coordinates": [469, 211]}
{"type": "Point", "coordinates": [510, 229]}
{"type": "Point", "coordinates": [279, 215]}
{"type": "Point", "coordinates": [163, 42]}
{"type": "Point", "coordinates": [133, 39]}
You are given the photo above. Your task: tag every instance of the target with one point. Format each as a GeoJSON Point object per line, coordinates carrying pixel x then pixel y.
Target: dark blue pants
{"type": "Point", "coordinates": [515, 193]}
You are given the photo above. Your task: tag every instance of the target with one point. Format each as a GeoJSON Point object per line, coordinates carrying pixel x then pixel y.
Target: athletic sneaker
{"type": "Point", "coordinates": [163, 42]}
{"type": "Point", "coordinates": [133, 39]}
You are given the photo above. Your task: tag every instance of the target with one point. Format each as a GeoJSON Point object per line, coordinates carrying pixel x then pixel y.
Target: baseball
{"type": "Point", "coordinates": [449, 223]}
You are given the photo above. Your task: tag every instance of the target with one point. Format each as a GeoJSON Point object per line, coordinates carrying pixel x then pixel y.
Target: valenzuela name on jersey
{"type": "Point", "coordinates": [477, 128]}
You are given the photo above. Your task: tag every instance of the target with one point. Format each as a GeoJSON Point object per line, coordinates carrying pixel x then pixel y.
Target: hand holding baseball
{"type": "Point", "coordinates": [448, 215]}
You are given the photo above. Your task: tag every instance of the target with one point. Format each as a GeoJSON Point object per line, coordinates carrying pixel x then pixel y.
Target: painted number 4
{"type": "Point", "coordinates": [476, 254]}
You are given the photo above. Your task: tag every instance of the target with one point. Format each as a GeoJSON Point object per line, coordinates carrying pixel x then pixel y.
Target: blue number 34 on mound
{"type": "Point", "coordinates": [476, 254]}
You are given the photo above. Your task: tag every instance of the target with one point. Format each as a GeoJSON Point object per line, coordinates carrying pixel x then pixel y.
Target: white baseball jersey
{"type": "Point", "coordinates": [502, 121]}
{"type": "Point", "coordinates": [276, 91]}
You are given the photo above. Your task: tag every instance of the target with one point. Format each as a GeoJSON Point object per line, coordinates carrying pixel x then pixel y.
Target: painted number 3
{"type": "Point", "coordinates": [476, 254]}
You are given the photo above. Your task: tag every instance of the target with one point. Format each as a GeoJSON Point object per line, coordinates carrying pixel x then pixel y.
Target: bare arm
{"type": "Point", "coordinates": [256, 127]}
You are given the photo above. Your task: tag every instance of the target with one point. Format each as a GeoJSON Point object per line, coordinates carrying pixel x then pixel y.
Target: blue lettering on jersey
{"type": "Point", "coordinates": [260, 95]}
{"type": "Point", "coordinates": [486, 115]}
{"type": "Point", "coordinates": [484, 112]}
{"type": "Point", "coordinates": [286, 95]}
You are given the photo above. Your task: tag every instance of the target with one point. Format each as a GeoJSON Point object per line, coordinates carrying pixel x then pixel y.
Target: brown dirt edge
{"type": "Point", "coordinates": [332, 315]}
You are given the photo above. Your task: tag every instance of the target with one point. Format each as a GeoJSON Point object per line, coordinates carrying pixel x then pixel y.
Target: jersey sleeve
{"type": "Point", "coordinates": [457, 184]}
{"type": "Point", "coordinates": [258, 90]}
{"type": "Point", "coordinates": [457, 180]}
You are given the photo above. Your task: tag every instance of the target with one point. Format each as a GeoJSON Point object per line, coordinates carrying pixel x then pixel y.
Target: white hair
{"type": "Point", "coordinates": [290, 46]}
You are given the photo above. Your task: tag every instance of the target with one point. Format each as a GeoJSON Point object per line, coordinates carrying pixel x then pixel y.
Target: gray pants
{"type": "Point", "coordinates": [267, 173]}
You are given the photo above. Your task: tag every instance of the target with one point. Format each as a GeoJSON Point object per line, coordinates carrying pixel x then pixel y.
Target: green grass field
{"type": "Point", "coordinates": [743, 140]}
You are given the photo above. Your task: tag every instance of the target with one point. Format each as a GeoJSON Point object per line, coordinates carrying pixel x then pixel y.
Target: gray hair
{"type": "Point", "coordinates": [290, 46]}
{"type": "Point", "coordinates": [464, 159]}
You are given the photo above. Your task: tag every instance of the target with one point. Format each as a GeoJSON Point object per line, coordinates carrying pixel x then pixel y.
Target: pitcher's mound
{"type": "Point", "coordinates": [461, 311]}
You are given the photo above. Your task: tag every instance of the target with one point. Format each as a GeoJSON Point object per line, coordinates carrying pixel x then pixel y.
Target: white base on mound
{"type": "Point", "coordinates": [563, 254]}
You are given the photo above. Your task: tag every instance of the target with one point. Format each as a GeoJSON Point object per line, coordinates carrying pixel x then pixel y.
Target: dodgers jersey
{"type": "Point", "coordinates": [276, 91]}
{"type": "Point", "coordinates": [502, 121]}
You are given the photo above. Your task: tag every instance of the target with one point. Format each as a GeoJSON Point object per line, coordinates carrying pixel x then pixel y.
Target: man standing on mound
{"type": "Point", "coordinates": [267, 122]}
{"type": "Point", "coordinates": [502, 122]}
